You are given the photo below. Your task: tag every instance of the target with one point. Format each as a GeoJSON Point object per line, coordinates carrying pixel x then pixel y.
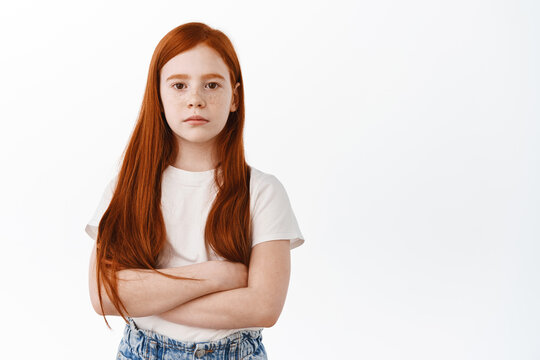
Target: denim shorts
{"type": "Point", "coordinates": [139, 344]}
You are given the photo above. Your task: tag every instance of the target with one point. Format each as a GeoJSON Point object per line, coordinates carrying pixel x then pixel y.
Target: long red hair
{"type": "Point", "coordinates": [132, 230]}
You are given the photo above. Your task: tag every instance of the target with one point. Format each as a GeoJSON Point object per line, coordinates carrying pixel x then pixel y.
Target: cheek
{"type": "Point", "coordinates": [169, 99]}
{"type": "Point", "coordinates": [216, 99]}
{"type": "Point", "coordinates": [165, 99]}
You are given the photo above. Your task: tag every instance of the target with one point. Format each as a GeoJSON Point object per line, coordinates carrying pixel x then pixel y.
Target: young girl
{"type": "Point", "coordinates": [192, 244]}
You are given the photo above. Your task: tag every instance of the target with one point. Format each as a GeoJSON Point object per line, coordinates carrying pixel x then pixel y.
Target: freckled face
{"type": "Point", "coordinates": [197, 82]}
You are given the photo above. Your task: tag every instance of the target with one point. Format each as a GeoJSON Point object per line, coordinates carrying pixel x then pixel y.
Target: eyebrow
{"type": "Point", "coordinates": [205, 76]}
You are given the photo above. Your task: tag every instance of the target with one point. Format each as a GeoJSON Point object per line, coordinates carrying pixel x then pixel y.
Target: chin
{"type": "Point", "coordinates": [196, 139]}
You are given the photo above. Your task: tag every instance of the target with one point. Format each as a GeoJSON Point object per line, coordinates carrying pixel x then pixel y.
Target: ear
{"type": "Point", "coordinates": [234, 100]}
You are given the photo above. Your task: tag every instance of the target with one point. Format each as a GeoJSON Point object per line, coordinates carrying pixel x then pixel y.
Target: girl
{"type": "Point", "coordinates": [192, 244]}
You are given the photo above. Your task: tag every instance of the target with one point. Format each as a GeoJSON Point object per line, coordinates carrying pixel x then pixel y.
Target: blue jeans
{"type": "Point", "coordinates": [141, 344]}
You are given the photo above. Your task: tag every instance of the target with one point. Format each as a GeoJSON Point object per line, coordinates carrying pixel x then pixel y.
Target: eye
{"type": "Point", "coordinates": [176, 87]}
{"type": "Point", "coordinates": [214, 87]}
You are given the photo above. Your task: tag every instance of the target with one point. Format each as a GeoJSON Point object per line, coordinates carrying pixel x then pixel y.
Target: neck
{"type": "Point", "coordinates": [195, 157]}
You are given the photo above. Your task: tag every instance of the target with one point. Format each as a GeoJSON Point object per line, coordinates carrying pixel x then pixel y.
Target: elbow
{"type": "Point", "coordinates": [269, 321]}
{"type": "Point", "coordinates": [97, 306]}
{"type": "Point", "coordinates": [268, 308]}
{"type": "Point", "coordinates": [94, 299]}
{"type": "Point", "coordinates": [98, 311]}
{"type": "Point", "coordinates": [270, 316]}
{"type": "Point", "coordinates": [108, 308]}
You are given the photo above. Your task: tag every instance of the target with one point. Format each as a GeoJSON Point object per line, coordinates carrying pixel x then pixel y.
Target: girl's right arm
{"type": "Point", "coordinates": [145, 292]}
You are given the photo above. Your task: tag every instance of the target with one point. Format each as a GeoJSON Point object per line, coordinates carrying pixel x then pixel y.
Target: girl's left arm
{"type": "Point", "coordinates": [257, 305]}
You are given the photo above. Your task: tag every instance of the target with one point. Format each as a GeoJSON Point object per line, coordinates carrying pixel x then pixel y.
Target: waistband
{"type": "Point", "coordinates": [140, 339]}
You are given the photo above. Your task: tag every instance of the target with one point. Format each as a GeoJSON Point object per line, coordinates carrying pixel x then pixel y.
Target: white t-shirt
{"type": "Point", "coordinates": [186, 199]}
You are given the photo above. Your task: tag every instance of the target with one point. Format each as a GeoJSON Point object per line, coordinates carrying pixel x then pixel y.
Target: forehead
{"type": "Point", "coordinates": [195, 62]}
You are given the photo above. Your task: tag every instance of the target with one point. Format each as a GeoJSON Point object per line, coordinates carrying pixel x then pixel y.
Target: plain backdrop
{"type": "Point", "coordinates": [406, 133]}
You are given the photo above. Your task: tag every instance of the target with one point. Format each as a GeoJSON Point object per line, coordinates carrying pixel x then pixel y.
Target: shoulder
{"type": "Point", "coordinates": [272, 215]}
{"type": "Point", "coordinates": [113, 182]}
{"type": "Point", "coordinates": [110, 188]}
{"type": "Point", "coordinates": [261, 181]}
{"type": "Point", "coordinates": [267, 192]}
{"type": "Point", "coordinates": [108, 192]}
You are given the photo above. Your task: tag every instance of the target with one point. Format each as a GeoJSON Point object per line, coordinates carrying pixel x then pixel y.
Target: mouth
{"type": "Point", "coordinates": [195, 119]}
{"type": "Point", "coordinates": [196, 122]}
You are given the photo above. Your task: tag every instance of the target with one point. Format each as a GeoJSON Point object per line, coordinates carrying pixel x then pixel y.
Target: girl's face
{"type": "Point", "coordinates": [197, 82]}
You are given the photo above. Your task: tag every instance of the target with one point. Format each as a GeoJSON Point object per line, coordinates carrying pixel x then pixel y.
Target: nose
{"type": "Point", "coordinates": [195, 100]}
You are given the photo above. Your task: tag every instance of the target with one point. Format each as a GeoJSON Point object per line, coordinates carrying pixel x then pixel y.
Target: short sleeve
{"type": "Point", "coordinates": [93, 224]}
{"type": "Point", "coordinates": [272, 215]}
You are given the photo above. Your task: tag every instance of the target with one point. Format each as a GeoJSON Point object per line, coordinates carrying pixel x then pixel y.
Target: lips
{"type": "Point", "coordinates": [196, 117]}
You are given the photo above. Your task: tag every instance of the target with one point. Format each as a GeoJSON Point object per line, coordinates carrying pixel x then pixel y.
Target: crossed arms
{"type": "Point", "coordinates": [230, 296]}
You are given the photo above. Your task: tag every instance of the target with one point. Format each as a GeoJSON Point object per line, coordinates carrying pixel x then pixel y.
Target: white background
{"type": "Point", "coordinates": [405, 132]}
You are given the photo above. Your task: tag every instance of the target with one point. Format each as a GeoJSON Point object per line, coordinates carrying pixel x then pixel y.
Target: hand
{"type": "Point", "coordinates": [228, 275]}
